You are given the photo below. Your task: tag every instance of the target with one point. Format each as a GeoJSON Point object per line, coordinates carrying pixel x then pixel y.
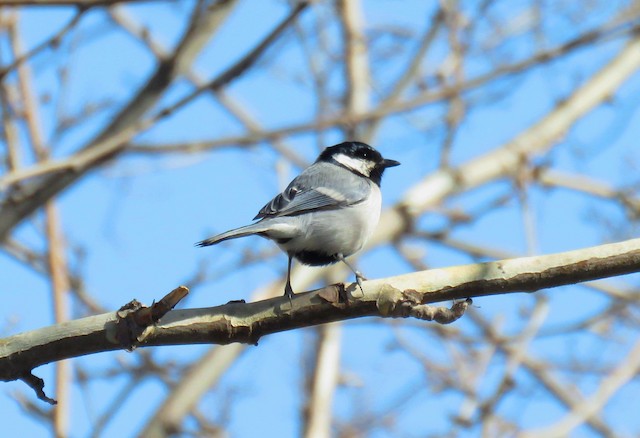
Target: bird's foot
{"type": "Point", "coordinates": [359, 279]}
{"type": "Point", "coordinates": [288, 292]}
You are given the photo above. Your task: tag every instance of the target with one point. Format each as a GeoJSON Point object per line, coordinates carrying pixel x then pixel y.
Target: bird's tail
{"type": "Point", "coordinates": [247, 230]}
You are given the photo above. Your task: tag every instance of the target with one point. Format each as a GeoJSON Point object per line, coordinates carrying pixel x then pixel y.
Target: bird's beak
{"type": "Point", "coordinates": [390, 163]}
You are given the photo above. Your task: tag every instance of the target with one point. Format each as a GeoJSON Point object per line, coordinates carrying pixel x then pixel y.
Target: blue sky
{"type": "Point", "coordinates": [131, 224]}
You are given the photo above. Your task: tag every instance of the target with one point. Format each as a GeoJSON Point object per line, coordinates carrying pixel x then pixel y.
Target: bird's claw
{"type": "Point", "coordinates": [288, 292]}
{"type": "Point", "coordinates": [359, 279]}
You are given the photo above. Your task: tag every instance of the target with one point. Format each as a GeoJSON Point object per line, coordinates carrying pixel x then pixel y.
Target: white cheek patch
{"type": "Point", "coordinates": [363, 167]}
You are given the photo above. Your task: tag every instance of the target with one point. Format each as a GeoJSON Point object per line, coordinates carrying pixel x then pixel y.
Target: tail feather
{"type": "Point", "coordinates": [247, 230]}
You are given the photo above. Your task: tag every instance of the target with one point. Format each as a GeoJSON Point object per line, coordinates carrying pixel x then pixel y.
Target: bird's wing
{"type": "Point", "coordinates": [313, 190]}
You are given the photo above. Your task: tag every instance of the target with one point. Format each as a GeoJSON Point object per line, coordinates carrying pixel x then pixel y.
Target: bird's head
{"type": "Point", "coordinates": [359, 158]}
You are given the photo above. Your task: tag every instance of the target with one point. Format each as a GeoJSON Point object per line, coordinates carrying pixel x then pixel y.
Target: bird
{"type": "Point", "coordinates": [326, 213]}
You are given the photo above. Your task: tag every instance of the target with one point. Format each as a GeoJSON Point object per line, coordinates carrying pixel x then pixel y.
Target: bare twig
{"type": "Point", "coordinates": [324, 379]}
{"type": "Point", "coordinates": [57, 265]}
{"type": "Point", "coordinates": [113, 139]}
{"type": "Point", "coordinates": [389, 297]}
{"type": "Point", "coordinates": [37, 384]}
{"type": "Point", "coordinates": [53, 42]}
{"type": "Point", "coordinates": [586, 408]}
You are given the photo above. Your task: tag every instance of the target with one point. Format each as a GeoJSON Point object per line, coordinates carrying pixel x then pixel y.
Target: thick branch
{"type": "Point", "coordinates": [400, 296]}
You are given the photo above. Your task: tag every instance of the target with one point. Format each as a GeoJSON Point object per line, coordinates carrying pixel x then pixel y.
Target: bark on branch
{"type": "Point", "coordinates": [402, 296]}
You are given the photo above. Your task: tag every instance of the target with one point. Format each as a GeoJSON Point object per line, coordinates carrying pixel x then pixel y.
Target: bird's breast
{"type": "Point", "coordinates": [323, 234]}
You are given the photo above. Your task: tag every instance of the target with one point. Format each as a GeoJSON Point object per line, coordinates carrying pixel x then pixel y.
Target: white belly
{"type": "Point", "coordinates": [342, 231]}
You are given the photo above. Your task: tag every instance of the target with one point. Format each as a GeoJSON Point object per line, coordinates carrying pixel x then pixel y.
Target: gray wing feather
{"type": "Point", "coordinates": [314, 190]}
